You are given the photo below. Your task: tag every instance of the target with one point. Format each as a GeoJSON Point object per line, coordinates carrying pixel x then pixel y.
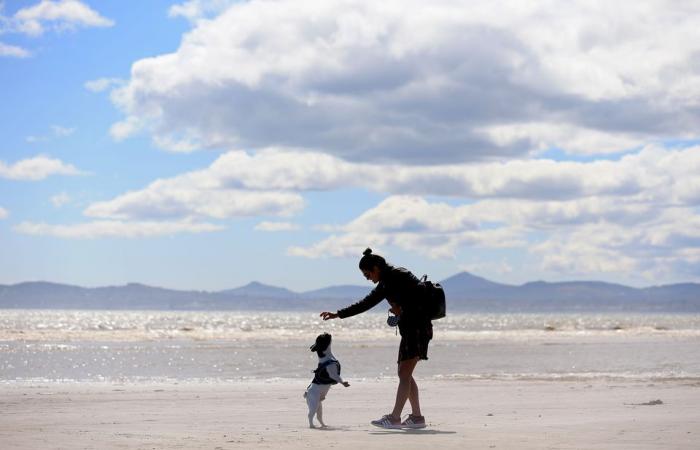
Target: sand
{"type": "Point", "coordinates": [461, 414]}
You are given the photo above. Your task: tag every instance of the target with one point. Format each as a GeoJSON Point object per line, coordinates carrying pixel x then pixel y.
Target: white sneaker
{"type": "Point", "coordinates": [413, 422]}
{"type": "Point", "coordinates": [387, 421]}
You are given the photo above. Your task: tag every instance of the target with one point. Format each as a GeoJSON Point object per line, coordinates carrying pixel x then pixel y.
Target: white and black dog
{"type": "Point", "coordinates": [326, 374]}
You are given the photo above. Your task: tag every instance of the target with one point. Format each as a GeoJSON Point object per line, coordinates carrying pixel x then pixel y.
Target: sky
{"type": "Point", "coordinates": [204, 144]}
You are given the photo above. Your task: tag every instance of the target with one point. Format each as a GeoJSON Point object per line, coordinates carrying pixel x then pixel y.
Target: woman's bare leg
{"type": "Point", "coordinates": [406, 385]}
{"type": "Point", "coordinates": [413, 398]}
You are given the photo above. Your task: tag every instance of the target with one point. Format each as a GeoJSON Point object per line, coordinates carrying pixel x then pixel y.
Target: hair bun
{"type": "Point", "coordinates": [368, 251]}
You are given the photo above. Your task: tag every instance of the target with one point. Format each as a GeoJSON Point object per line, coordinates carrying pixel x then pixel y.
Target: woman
{"type": "Point", "coordinates": [404, 293]}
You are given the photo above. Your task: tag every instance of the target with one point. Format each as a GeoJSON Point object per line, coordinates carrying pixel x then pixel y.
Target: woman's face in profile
{"type": "Point", "coordinates": [372, 275]}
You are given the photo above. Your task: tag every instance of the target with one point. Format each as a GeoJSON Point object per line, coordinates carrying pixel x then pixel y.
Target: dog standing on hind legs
{"type": "Point", "coordinates": [326, 374]}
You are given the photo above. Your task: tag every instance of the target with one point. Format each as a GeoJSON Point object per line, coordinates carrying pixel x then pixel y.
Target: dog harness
{"type": "Point", "coordinates": [321, 373]}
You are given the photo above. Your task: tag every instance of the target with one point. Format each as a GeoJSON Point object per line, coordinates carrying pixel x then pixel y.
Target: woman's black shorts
{"type": "Point", "coordinates": [414, 341]}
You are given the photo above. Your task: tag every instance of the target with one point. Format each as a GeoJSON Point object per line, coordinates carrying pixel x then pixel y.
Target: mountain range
{"type": "Point", "coordinates": [465, 293]}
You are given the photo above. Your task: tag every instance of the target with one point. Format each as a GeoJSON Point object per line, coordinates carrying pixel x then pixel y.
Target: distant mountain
{"type": "Point", "coordinates": [465, 281]}
{"type": "Point", "coordinates": [465, 292]}
{"type": "Point", "coordinates": [130, 296]}
{"type": "Point", "coordinates": [41, 294]}
{"type": "Point", "coordinates": [466, 286]}
{"type": "Point", "coordinates": [343, 292]}
{"type": "Point", "coordinates": [255, 289]}
{"type": "Point", "coordinates": [681, 291]}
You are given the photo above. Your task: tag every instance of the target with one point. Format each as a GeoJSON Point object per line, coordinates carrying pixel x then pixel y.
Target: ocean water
{"type": "Point", "coordinates": [173, 346]}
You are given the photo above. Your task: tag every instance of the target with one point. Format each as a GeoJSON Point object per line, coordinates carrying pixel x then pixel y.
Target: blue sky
{"type": "Point", "coordinates": [205, 144]}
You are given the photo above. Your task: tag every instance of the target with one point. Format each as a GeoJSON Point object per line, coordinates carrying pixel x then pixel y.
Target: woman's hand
{"type": "Point", "coordinates": [328, 315]}
{"type": "Point", "coordinates": [395, 309]}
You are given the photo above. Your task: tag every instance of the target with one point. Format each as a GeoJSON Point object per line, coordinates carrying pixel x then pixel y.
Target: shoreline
{"type": "Point", "coordinates": [596, 414]}
{"type": "Point", "coordinates": [592, 378]}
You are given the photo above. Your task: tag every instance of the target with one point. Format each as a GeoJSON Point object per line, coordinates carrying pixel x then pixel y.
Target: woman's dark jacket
{"type": "Point", "coordinates": [399, 286]}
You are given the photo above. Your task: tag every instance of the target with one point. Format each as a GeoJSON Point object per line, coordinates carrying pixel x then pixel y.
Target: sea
{"type": "Point", "coordinates": [76, 346]}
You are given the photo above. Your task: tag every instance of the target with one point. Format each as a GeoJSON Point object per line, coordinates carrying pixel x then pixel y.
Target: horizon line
{"type": "Point", "coordinates": [337, 285]}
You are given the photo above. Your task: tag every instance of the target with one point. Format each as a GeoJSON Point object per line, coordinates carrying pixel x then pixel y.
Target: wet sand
{"type": "Point", "coordinates": [256, 414]}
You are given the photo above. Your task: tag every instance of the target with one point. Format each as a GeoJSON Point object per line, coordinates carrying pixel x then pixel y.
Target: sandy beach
{"type": "Point", "coordinates": [272, 414]}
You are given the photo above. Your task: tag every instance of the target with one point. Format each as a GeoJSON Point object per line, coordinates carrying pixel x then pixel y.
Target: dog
{"type": "Point", "coordinates": [326, 374]}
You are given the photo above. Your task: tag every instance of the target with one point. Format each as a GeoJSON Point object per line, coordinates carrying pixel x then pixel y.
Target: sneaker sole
{"type": "Point", "coordinates": [413, 427]}
{"type": "Point", "coordinates": [390, 427]}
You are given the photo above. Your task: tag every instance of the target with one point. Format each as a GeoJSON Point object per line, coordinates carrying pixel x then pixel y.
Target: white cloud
{"type": "Point", "coordinates": [575, 139]}
{"type": "Point", "coordinates": [432, 245]}
{"type": "Point", "coordinates": [436, 230]}
{"type": "Point", "coordinates": [574, 252]}
{"type": "Point", "coordinates": [36, 139]}
{"type": "Point", "coordinates": [667, 243]}
{"type": "Point", "coordinates": [416, 100]}
{"type": "Point", "coordinates": [503, 205]}
{"type": "Point", "coordinates": [194, 10]}
{"type": "Point", "coordinates": [58, 15]}
{"type": "Point", "coordinates": [268, 183]}
{"type": "Point", "coordinates": [36, 168]}
{"type": "Point", "coordinates": [60, 131]}
{"type": "Point", "coordinates": [57, 131]}
{"type": "Point", "coordinates": [411, 81]}
{"type": "Point", "coordinates": [125, 128]}
{"type": "Point", "coordinates": [635, 215]}
{"type": "Point", "coordinates": [195, 195]}
{"type": "Point", "coordinates": [102, 84]}
{"type": "Point", "coordinates": [179, 144]}
{"type": "Point", "coordinates": [3, 213]}
{"type": "Point", "coordinates": [654, 172]}
{"type": "Point", "coordinates": [276, 226]}
{"type": "Point", "coordinates": [287, 170]}
{"type": "Point", "coordinates": [502, 267]}
{"type": "Point", "coordinates": [115, 229]}
{"type": "Point", "coordinates": [339, 246]}
{"type": "Point", "coordinates": [60, 200]}
{"type": "Point", "coordinates": [507, 202]}
{"type": "Point", "coordinates": [13, 51]}
{"type": "Point", "coordinates": [576, 237]}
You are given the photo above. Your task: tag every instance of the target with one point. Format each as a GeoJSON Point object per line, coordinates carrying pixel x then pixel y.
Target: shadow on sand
{"type": "Point", "coordinates": [332, 428]}
{"type": "Point", "coordinates": [411, 431]}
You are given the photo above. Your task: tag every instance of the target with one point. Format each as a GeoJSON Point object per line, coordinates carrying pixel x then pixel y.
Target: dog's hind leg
{"type": "Point", "coordinates": [312, 401]}
{"type": "Point", "coordinates": [319, 413]}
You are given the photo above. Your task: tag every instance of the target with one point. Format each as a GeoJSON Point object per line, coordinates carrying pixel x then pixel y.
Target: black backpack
{"type": "Point", "coordinates": [434, 299]}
